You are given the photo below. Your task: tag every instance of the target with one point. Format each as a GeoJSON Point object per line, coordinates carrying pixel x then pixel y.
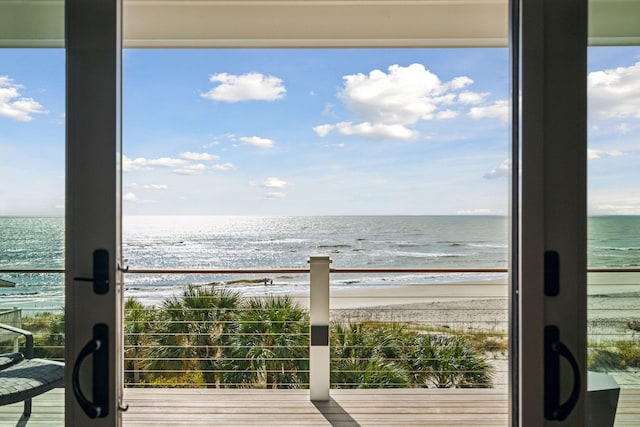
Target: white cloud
{"type": "Point", "coordinates": [273, 182]}
{"type": "Point", "coordinates": [196, 169]}
{"type": "Point", "coordinates": [224, 167]}
{"type": "Point", "coordinates": [376, 131]}
{"type": "Point", "coordinates": [472, 97]}
{"type": "Point", "coordinates": [460, 82]}
{"type": "Point", "coordinates": [132, 165]}
{"type": "Point", "coordinates": [245, 87]}
{"type": "Point", "coordinates": [134, 185]}
{"type": "Point", "coordinates": [623, 128]}
{"type": "Point", "coordinates": [387, 104]}
{"type": "Point", "coordinates": [323, 130]}
{"type": "Point", "coordinates": [178, 166]}
{"type": "Point", "coordinates": [142, 164]}
{"type": "Point", "coordinates": [597, 154]}
{"type": "Point", "coordinates": [615, 93]}
{"type": "Point", "coordinates": [257, 142]}
{"type": "Point", "coordinates": [203, 157]}
{"type": "Point", "coordinates": [498, 110]}
{"type": "Point", "coordinates": [446, 114]}
{"type": "Point", "coordinates": [167, 162]}
{"type": "Point", "coordinates": [275, 195]}
{"type": "Point", "coordinates": [328, 110]}
{"type": "Point", "coordinates": [133, 198]}
{"type": "Point", "coordinates": [15, 107]}
{"type": "Point", "coordinates": [403, 96]}
{"type": "Point", "coordinates": [503, 170]}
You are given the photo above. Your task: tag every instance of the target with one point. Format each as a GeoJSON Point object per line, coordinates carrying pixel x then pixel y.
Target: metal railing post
{"type": "Point", "coordinates": [319, 357]}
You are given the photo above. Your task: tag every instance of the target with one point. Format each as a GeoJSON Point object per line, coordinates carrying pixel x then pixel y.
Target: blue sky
{"type": "Point", "coordinates": [310, 132]}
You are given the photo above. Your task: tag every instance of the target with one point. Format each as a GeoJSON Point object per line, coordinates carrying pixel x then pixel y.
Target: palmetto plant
{"type": "Point", "coordinates": [192, 331]}
{"type": "Point", "coordinates": [447, 361]}
{"type": "Point", "coordinates": [271, 345]}
{"type": "Point", "coordinates": [208, 336]}
{"type": "Point", "coordinates": [138, 323]}
{"type": "Point", "coordinates": [367, 356]}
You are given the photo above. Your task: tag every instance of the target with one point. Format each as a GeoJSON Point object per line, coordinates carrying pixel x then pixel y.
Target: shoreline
{"type": "Point", "coordinates": [472, 304]}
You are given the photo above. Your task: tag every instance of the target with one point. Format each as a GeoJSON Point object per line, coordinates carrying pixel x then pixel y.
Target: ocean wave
{"type": "Point", "coordinates": [12, 294]}
{"type": "Point", "coordinates": [429, 255]}
{"type": "Point", "coordinates": [489, 245]}
{"type": "Point", "coordinates": [407, 245]}
{"type": "Point", "coordinates": [451, 243]}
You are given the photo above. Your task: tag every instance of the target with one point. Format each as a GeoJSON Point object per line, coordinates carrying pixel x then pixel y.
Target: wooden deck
{"type": "Point", "coordinates": [347, 408]}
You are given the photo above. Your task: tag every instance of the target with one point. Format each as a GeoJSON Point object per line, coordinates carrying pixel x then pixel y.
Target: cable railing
{"type": "Point", "coordinates": [197, 346]}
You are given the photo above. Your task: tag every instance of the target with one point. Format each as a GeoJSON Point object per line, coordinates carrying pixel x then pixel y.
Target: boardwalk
{"type": "Point", "coordinates": [348, 408]}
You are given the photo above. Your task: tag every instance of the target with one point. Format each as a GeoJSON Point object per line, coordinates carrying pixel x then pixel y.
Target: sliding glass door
{"type": "Point", "coordinates": [550, 227]}
{"type": "Point", "coordinates": [552, 183]}
{"type": "Point", "coordinates": [92, 212]}
{"type": "Point", "coordinates": [32, 197]}
{"type": "Point", "coordinates": [613, 79]}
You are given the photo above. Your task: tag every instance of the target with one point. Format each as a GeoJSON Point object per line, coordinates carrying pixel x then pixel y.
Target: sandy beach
{"type": "Point", "coordinates": [479, 305]}
{"type": "Point", "coordinates": [461, 305]}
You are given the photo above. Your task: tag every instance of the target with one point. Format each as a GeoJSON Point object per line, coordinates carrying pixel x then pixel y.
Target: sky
{"type": "Point", "coordinates": [310, 131]}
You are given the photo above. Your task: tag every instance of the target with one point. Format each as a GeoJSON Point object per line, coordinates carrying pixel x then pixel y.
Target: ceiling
{"type": "Point", "coordinates": [307, 23]}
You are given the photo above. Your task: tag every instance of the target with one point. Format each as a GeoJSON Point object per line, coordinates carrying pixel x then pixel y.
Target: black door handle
{"type": "Point", "coordinates": [100, 277]}
{"type": "Point", "coordinates": [553, 350]}
{"type": "Point", "coordinates": [98, 346]}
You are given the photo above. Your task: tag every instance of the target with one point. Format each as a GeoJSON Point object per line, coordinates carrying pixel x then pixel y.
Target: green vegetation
{"type": "Point", "coordinates": [210, 337]}
{"type": "Point", "coordinates": [378, 354]}
{"type": "Point", "coordinates": [271, 346]}
{"type": "Point", "coordinates": [616, 355]}
{"type": "Point", "coordinates": [48, 334]}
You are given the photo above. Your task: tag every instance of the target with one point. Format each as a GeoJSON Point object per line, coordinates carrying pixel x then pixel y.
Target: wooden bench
{"type": "Point", "coordinates": [22, 377]}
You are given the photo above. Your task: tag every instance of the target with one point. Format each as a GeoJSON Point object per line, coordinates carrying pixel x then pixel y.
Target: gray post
{"type": "Point", "coordinates": [319, 358]}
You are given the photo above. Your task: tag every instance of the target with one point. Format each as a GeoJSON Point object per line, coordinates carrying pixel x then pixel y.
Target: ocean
{"type": "Point", "coordinates": [232, 242]}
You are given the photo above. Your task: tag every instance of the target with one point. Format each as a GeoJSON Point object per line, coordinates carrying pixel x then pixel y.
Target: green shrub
{"type": "Point", "coordinates": [209, 337]}
{"type": "Point", "coordinates": [605, 360]}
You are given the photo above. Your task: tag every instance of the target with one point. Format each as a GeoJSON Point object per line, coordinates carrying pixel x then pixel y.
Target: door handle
{"type": "Point", "coordinates": [98, 346]}
{"type": "Point", "coordinates": [100, 277]}
{"type": "Point", "coordinates": [553, 350]}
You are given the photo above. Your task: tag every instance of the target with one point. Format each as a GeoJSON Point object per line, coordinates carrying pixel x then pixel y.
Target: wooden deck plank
{"type": "Point", "coordinates": [348, 408]}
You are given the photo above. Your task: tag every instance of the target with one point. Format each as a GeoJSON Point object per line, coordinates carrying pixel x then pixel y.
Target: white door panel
{"type": "Point", "coordinates": [93, 135]}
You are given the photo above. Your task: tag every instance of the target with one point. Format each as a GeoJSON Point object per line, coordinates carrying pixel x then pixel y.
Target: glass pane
{"type": "Point", "coordinates": [614, 224]}
{"type": "Point", "coordinates": [32, 199]}
{"type": "Point", "coordinates": [258, 159]}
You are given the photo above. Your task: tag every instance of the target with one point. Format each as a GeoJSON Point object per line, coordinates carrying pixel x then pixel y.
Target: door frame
{"type": "Point", "coordinates": [550, 193]}
{"type": "Point", "coordinates": [93, 77]}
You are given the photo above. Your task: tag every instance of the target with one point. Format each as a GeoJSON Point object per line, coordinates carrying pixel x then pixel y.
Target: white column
{"type": "Point", "coordinates": [319, 358]}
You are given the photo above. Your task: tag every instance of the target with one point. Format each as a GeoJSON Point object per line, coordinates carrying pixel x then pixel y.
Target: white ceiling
{"type": "Point", "coordinates": [306, 23]}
